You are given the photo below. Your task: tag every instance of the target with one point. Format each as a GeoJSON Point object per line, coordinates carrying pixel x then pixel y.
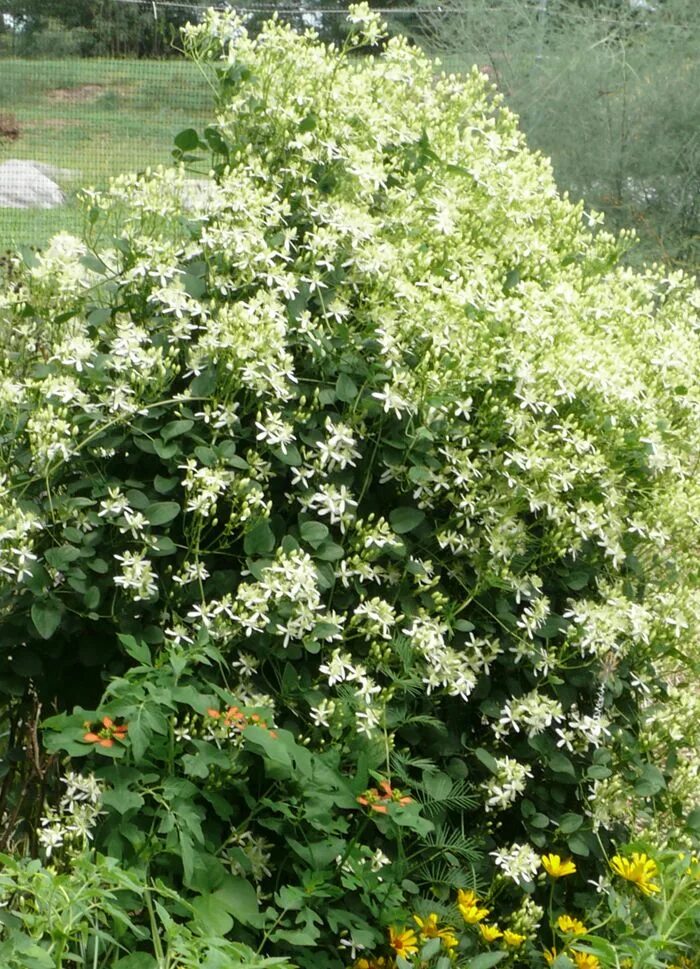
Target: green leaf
{"type": "Point", "coordinates": [176, 429]}
{"type": "Point", "coordinates": [598, 772]}
{"type": "Point", "coordinates": [561, 764]}
{"type": "Point", "coordinates": [59, 558]}
{"type": "Point", "coordinates": [314, 533]}
{"type": "Point", "coordinates": [187, 140]}
{"type": "Point", "coordinates": [693, 820]}
{"type": "Point", "coordinates": [487, 759]}
{"type": "Point", "coordinates": [211, 915]}
{"type": "Point", "coordinates": [330, 552]}
{"type": "Point", "coordinates": [260, 539]}
{"type": "Point", "coordinates": [162, 512]}
{"type": "Point", "coordinates": [164, 485]}
{"type": "Point", "coordinates": [562, 962]}
{"type": "Point", "coordinates": [650, 782]}
{"type": "Point", "coordinates": [486, 959]}
{"type": "Point", "coordinates": [345, 388]}
{"type": "Point", "coordinates": [578, 845]}
{"type": "Point", "coordinates": [406, 519]}
{"type": "Point", "coordinates": [137, 960]}
{"type": "Point", "coordinates": [570, 823]}
{"type": "Point", "coordinates": [430, 949]}
{"type": "Point", "coordinates": [138, 651]}
{"type": "Point", "coordinates": [239, 897]}
{"type": "Point", "coordinates": [99, 316]}
{"type": "Point", "coordinates": [46, 616]}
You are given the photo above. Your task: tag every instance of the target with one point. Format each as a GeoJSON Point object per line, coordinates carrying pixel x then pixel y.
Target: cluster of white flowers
{"type": "Point", "coordinates": [519, 862]}
{"type": "Point", "coordinates": [444, 667]}
{"type": "Point", "coordinates": [70, 824]}
{"type": "Point", "coordinates": [507, 784]}
{"type": "Point", "coordinates": [532, 713]}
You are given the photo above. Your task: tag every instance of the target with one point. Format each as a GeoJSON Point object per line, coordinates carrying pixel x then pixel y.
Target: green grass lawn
{"type": "Point", "coordinates": [97, 118]}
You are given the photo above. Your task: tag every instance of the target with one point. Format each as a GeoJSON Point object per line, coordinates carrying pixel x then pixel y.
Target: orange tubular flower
{"type": "Point", "coordinates": [378, 800]}
{"type": "Point", "coordinates": [105, 732]}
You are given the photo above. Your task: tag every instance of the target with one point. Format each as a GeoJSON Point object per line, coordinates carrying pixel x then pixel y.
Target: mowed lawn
{"type": "Point", "coordinates": [97, 118]}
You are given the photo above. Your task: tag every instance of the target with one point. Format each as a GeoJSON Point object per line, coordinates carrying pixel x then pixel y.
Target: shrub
{"type": "Point", "coordinates": [350, 516]}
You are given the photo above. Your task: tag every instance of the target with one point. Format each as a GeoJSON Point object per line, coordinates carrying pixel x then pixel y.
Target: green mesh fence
{"type": "Point", "coordinates": [608, 89]}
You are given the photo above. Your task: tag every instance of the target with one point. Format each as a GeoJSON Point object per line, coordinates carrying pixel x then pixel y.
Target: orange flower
{"type": "Point", "coordinates": [105, 732]}
{"type": "Point", "coordinates": [378, 802]}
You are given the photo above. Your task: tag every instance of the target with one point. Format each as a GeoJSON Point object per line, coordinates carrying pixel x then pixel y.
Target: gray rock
{"type": "Point", "coordinates": [28, 185]}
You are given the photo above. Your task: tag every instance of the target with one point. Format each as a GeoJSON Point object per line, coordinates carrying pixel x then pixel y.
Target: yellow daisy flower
{"type": "Point", "coordinates": [449, 940]}
{"type": "Point", "coordinates": [428, 926]}
{"type": "Point", "coordinates": [550, 955]}
{"type": "Point", "coordinates": [467, 898]}
{"type": "Point", "coordinates": [585, 961]}
{"type": "Point", "coordinates": [489, 933]}
{"type": "Point", "coordinates": [404, 943]}
{"type": "Point", "coordinates": [557, 868]}
{"type": "Point", "coordinates": [429, 929]}
{"type": "Point", "coordinates": [571, 926]}
{"type": "Point", "coordinates": [473, 914]}
{"type": "Point", "coordinates": [513, 938]}
{"type": "Point", "coordinates": [639, 870]}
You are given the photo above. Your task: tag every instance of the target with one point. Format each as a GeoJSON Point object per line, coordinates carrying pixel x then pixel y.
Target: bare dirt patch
{"type": "Point", "coordinates": [9, 127]}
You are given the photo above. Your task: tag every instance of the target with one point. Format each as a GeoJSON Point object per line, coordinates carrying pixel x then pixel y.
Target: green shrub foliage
{"type": "Point", "coordinates": [349, 528]}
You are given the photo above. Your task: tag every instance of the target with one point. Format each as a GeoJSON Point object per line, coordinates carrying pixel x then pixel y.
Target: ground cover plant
{"type": "Point", "coordinates": [94, 118]}
{"type": "Point", "coordinates": [348, 552]}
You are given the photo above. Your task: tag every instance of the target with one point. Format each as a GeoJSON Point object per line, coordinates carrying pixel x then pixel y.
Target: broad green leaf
{"type": "Point", "coordinates": [176, 429]}
{"type": "Point", "coordinates": [162, 512]}
{"type": "Point", "coordinates": [46, 616]}
{"type": "Point", "coordinates": [211, 915]}
{"type": "Point", "coordinates": [260, 539]}
{"type": "Point", "coordinates": [569, 823]}
{"type": "Point", "coordinates": [238, 897]}
{"type": "Point", "coordinates": [345, 388]}
{"type": "Point", "coordinates": [487, 959]}
{"type": "Point", "coordinates": [314, 533]}
{"type": "Point", "coordinates": [650, 782]}
{"type": "Point", "coordinates": [137, 650]}
{"type": "Point", "coordinates": [187, 140]}
{"type": "Point", "coordinates": [406, 519]}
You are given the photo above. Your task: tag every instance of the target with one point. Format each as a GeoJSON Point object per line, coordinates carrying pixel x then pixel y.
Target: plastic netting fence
{"type": "Point", "coordinates": [610, 91]}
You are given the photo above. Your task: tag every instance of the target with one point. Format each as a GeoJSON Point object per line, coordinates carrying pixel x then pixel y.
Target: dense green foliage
{"type": "Point", "coordinates": [349, 525]}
